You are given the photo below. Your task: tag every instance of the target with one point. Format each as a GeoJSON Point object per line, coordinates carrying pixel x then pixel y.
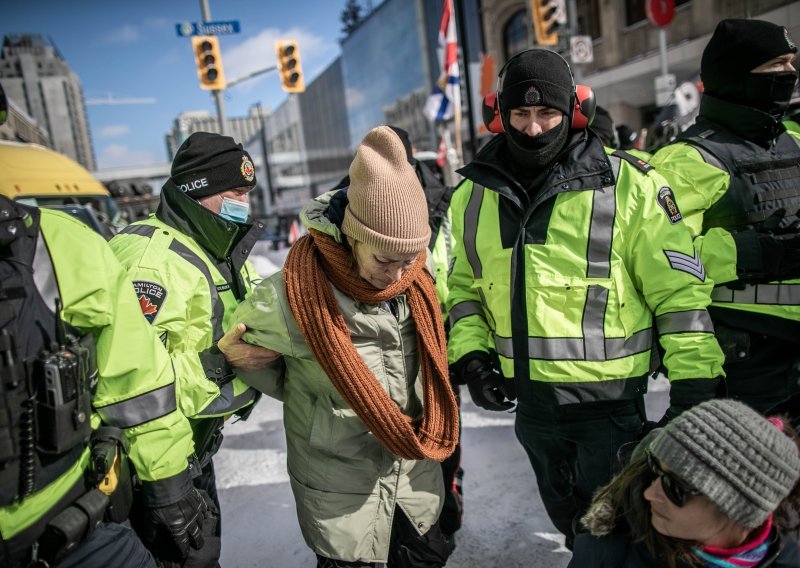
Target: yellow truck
{"type": "Point", "coordinates": [35, 175]}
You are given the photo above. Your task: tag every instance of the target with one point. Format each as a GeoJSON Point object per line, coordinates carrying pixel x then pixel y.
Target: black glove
{"type": "Point", "coordinates": [177, 510]}
{"type": "Point", "coordinates": [488, 388]}
{"type": "Point", "coordinates": [686, 393]}
{"type": "Point", "coordinates": [768, 251]}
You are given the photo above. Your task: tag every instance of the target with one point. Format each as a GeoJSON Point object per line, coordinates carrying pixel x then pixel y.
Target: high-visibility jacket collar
{"type": "Point", "coordinates": [746, 122]}
{"type": "Point", "coordinates": [216, 235]}
{"type": "Point", "coordinates": [582, 166]}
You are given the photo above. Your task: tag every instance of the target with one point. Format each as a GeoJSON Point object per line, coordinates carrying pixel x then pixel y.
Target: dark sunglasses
{"type": "Point", "coordinates": [676, 490]}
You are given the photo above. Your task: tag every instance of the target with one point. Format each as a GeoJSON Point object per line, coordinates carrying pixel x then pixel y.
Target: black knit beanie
{"type": "Point", "coordinates": [736, 48]}
{"type": "Point", "coordinates": [207, 164]}
{"type": "Point", "coordinates": [536, 77]}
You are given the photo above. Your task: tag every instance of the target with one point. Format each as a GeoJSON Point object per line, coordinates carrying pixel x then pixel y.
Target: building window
{"type": "Point", "coordinates": [634, 10]}
{"type": "Point", "coordinates": [589, 18]}
{"type": "Point", "coordinates": [515, 34]}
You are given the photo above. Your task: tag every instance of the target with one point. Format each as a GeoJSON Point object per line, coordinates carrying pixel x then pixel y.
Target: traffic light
{"type": "Point", "coordinates": [209, 62]}
{"type": "Point", "coordinates": [545, 22]}
{"type": "Point", "coordinates": [289, 66]}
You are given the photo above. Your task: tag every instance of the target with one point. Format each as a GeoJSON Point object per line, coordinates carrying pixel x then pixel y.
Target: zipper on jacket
{"type": "Point", "coordinates": [394, 309]}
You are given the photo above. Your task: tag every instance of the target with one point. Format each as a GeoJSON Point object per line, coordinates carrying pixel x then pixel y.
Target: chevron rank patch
{"type": "Point", "coordinates": [151, 298]}
{"type": "Point", "coordinates": [688, 264]}
{"type": "Point", "coordinates": [666, 199]}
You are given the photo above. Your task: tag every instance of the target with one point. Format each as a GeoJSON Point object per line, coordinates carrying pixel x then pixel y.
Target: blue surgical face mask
{"type": "Point", "coordinates": [233, 210]}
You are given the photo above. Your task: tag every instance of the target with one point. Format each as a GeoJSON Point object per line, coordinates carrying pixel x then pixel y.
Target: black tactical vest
{"type": "Point", "coordinates": [28, 289]}
{"type": "Point", "coordinates": [762, 180]}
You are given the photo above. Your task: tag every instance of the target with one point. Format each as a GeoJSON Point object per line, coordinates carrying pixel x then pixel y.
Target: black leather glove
{"type": "Point", "coordinates": [686, 393]}
{"type": "Point", "coordinates": [487, 387]}
{"type": "Point", "coordinates": [177, 510]}
{"type": "Point", "coordinates": [768, 251]}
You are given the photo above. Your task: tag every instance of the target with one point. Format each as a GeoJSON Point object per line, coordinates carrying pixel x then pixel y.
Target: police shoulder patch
{"type": "Point", "coordinates": [666, 199]}
{"type": "Point", "coordinates": [151, 298]}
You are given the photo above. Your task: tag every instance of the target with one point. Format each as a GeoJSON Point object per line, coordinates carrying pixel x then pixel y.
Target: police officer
{"type": "Point", "coordinates": [188, 263]}
{"type": "Point", "coordinates": [76, 357]}
{"type": "Point", "coordinates": [566, 256]}
{"type": "Point", "coordinates": [736, 174]}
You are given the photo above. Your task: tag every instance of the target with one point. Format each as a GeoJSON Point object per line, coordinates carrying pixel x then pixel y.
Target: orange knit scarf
{"type": "Point", "coordinates": [314, 263]}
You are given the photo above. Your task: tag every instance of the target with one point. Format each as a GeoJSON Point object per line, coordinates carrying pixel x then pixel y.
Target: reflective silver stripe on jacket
{"type": "Point", "coordinates": [140, 409]}
{"type": "Point", "coordinates": [598, 265]}
{"type": "Point", "coordinates": [578, 349]}
{"type": "Point", "coordinates": [471, 215]}
{"type": "Point", "coordinates": [214, 363]}
{"type": "Point", "coordinates": [141, 230]}
{"type": "Point", "coordinates": [464, 309]}
{"type": "Point", "coordinates": [217, 308]}
{"type": "Point", "coordinates": [775, 294]}
{"type": "Point", "coordinates": [710, 158]}
{"type": "Point", "coordinates": [44, 275]}
{"type": "Point", "coordinates": [683, 322]}
{"type": "Point", "coordinates": [226, 402]}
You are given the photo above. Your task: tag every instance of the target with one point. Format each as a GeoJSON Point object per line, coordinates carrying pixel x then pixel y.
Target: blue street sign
{"type": "Point", "coordinates": [187, 29]}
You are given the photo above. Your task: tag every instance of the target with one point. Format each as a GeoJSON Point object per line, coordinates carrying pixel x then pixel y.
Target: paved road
{"type": "Point", "coordinates": [504, 526]}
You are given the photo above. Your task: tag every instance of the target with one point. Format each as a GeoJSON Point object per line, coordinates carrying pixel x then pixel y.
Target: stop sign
{"type": "Point", "coordinates": [660, 12]}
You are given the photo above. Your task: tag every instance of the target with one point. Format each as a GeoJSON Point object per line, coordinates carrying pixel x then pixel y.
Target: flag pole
{"type": "Point", "coordinates": [462, 25]}
{"type": "Point", "coordinates": [457, 127]}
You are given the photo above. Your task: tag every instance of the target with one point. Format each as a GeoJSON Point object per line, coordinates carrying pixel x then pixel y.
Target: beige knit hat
{"type": "Point", "coordinates": [387, 208]}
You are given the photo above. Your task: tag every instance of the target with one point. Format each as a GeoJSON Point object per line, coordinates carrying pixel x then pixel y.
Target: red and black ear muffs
{"type": "Point", "coordinates": [583, 105]}
{"type": "Point", "coordinates": [581, 116]}
{"type": "Point", "coordinates": [491, 114]}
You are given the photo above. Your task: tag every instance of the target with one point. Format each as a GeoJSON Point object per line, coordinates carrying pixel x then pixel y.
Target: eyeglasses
{"type": "Point", "coordinates": [676, 490]}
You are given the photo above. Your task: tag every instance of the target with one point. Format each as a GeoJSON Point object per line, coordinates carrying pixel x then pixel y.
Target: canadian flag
{"type": "Point", "coordinates": [446, 94]}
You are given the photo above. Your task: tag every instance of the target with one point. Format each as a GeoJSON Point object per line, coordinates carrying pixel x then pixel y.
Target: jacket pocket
{"type": "Point", "coordinates": [339, 431]}
{"type": "Point", "coordinates": [556, 304]}
{"type": "Point", "coordinates": [495, 297]}
{"type": "Point", "coordinates": [628, 304]}
{"type": "Point", "coordinates": [343, 455]}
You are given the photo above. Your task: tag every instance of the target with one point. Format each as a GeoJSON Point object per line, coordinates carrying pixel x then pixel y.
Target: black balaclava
{"type": "Point", "coordinates": [736, 48]}
{"type": "Point", "coordinates": [536, 77]}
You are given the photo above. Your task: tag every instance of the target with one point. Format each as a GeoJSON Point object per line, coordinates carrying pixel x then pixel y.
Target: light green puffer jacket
{"type": "Point", "coordinates": [346, 484]}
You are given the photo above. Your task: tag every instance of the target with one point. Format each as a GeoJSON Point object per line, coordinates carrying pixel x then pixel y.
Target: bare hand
{"type": "Point", "coordinates": [244, 356]}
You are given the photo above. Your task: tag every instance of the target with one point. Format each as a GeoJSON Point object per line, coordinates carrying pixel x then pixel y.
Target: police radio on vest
{"type": "Point", "coordinates": [196, 184]}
